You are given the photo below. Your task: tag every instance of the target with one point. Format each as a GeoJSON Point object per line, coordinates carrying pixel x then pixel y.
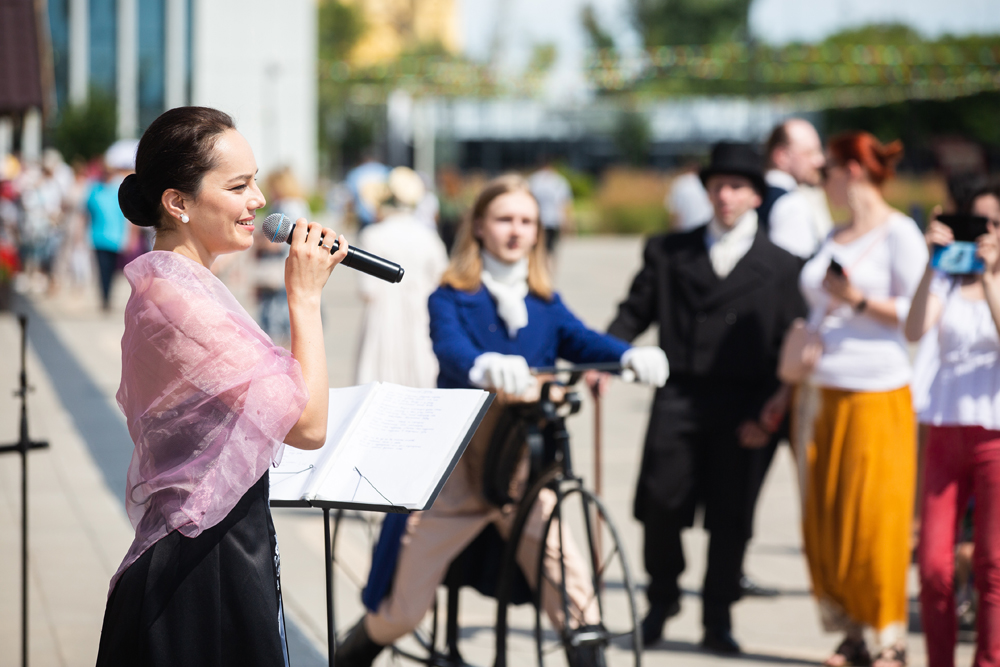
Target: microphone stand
{"type": "Point", "coordinates": [22, 446]}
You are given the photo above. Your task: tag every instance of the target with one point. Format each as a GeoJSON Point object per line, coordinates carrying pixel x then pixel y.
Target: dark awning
{"type": "Point", "coordinates": [20, 68]}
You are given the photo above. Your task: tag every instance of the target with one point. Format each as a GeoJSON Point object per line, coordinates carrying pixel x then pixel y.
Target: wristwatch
{"type": "Point", "coordinates": [862, 305]}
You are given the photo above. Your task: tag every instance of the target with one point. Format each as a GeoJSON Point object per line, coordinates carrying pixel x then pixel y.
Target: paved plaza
{"type": "Point", "coordinates": [79, 530]}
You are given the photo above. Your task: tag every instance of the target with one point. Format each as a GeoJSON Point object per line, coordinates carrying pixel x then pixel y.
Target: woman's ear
{"type": "Point", "coordinates": [173, 203]}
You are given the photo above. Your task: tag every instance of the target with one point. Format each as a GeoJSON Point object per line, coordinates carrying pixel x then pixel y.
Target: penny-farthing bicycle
{"type": "Point", "coordinates": [597, 623]}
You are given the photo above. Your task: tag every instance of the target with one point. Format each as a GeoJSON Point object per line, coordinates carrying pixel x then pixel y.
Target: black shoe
{"type": "Point", "coordinates": [751, 589]}
{"type": "Point", "coordinates": [720, 640]}
{"type": "Point", "coordinates": [590, 653]}
{"type": "Point", "coordinates": [652, 625]}
{"type": "Point", "coordinates": [357, 649]}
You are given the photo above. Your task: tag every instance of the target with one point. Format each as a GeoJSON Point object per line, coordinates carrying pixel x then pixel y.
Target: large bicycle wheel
{"type": "Point", "coordinates": [589, 587]}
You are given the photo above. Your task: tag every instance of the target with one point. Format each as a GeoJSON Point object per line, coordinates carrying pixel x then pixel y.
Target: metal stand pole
{"type": "Point", "coordinates": [331, 639]}
{"type": "Point", "coordinates": [22, 447]}
{"type": "Point", "coordinates": [598, 466]}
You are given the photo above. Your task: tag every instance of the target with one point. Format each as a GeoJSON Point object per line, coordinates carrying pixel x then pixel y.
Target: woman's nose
{"type": "Point", "coordinates": [258, 199]}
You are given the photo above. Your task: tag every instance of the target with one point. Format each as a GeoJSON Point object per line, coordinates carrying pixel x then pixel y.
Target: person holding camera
{"type": "Point", "coordinates": [859, 484]}
{"type": "Point", "coordinates": [963, 414]}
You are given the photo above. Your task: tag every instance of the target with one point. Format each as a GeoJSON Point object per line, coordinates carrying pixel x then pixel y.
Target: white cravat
{"type": "Point", "coordinates": [726, 247]}
{"type": "Point", "coordinates": [508, 283]}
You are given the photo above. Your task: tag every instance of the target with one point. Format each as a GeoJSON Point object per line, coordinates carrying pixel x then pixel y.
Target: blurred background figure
{"type": "Point", "coordinates": [366, 182]}
{"type": "Point", "coordinates": [721, 318]}
{"type": "Point", "coordinates": [395, 339]}
{"type": "Point", "coordinates": [109, 230]}
{"type": "Point", "coordinates": [428, 209]}
{"type": "Point", "coordinates": [862, 462]}
{"type": "Point", "coordinates": [555, 203]}
{"type": "Point", "coordinates": [286, 197]}
{"type": "Point", "coordinates": [41, 198]}
{"type": "Point", "coordinates": [962, 412]}
{"type": "Point", "coordinates": [687, 200]}
{"type": "Point", "coordinates": [794, 156]}
{"type": "Point", "coordinates": [75, 256]}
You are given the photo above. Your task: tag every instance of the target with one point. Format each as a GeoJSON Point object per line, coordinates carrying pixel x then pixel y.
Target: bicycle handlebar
{"type": "Point", "coordinates": [606, 367]}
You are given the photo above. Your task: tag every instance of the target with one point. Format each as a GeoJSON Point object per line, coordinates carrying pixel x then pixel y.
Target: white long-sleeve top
{"type": "Point", "coordinates": [794, 223]}
{"type": "Point", "coordinates": [859, 352]}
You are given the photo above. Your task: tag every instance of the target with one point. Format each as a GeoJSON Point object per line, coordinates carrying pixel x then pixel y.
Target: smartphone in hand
{"type": "Point", "coordinates": [836, 268]}
{"type": "Point", "coordinates": [960, 257]}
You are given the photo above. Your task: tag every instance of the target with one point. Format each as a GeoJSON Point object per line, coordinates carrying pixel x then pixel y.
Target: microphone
{"type": "Point", "coordinates": [278, 228]}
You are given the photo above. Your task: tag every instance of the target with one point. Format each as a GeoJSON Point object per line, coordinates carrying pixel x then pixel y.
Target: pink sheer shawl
{"type": "Point", "coordinates": [207, 396]}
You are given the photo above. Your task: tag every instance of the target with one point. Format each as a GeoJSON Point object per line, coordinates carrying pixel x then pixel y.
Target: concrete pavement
{"type": "Point", "coordinates": [79, 531]}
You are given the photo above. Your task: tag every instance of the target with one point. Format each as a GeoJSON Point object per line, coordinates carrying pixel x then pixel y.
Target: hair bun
{"type": "Point", "coordinates": [889, 154]}
{"type": "Point", "coordinates": [134, 205]}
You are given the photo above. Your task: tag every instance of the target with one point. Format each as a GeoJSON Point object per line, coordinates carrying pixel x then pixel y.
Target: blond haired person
{"type": "Point", "coordinates": [494, 316]}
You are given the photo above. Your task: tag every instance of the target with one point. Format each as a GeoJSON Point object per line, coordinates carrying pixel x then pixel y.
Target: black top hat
{"type": "Point", "coordinates": [736, 159]}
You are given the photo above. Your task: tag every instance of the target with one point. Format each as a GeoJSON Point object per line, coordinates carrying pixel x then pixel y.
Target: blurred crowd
{"type": "Point", "coordinates": [60, 224]}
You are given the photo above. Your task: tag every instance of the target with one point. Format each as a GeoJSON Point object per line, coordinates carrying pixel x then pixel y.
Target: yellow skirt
{"type": "Point", "coordinates": [861, 474]}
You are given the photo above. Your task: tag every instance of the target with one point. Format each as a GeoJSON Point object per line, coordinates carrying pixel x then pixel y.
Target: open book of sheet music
{"type": "Point", "coordinates": [388, 448]}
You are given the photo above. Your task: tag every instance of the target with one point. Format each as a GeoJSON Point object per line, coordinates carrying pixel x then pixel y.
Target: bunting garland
{"type": "Point", "coordinates": [820, 76]}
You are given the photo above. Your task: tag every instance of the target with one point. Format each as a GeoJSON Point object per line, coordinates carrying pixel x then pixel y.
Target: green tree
{"type": "Point", "coordinates": [85, 131]}
{"type": "Point", "coordinates": [669, 22]}
{"type": "Point", "coordinates": [633, 137]}
{"type": "Point", "coordinates": [340, 26]}
{"type": "Point", "coordinates": [599, 38]}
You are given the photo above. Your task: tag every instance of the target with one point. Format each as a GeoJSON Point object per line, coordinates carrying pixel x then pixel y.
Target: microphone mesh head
{"type": "Point", "coordinates": [277, 227]}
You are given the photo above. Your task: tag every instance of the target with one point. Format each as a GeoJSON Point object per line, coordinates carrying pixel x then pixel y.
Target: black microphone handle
{"type": "Point", "coordinates": [363, 261]}
{"type": "Point", "coordinates": [371, 264]}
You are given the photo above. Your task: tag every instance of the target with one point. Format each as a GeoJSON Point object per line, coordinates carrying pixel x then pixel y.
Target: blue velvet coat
{"type": "Point", "coordinates": [465, 325]}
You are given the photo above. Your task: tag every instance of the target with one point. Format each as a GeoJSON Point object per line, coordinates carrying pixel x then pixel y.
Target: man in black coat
{"type": "Point", "coordinates": [723, 296]}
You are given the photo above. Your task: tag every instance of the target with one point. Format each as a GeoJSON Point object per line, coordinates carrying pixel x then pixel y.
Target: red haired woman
{"type": "Point", "coordinates": [862, 463]}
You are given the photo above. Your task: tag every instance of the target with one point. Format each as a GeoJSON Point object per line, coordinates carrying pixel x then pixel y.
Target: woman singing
{"type": "Point", "coordinates": [208, 399]}
{"type": "Point", "coordinates": [494, 316]}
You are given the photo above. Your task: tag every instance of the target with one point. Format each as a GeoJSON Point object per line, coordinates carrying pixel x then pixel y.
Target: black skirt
{"type": "Point", "coordinates": [209, 601]}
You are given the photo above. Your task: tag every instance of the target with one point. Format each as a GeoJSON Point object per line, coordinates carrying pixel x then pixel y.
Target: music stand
{"type": "Point", "coordinates": [329, 540]}
{"type": "Point", "coordinates": [23, 445]}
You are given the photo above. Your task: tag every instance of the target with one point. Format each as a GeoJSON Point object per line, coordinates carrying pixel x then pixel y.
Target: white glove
{"type": "Point", "coordinates": [508, 373]}
{"type": "Point", "coordinates": [649, 364]}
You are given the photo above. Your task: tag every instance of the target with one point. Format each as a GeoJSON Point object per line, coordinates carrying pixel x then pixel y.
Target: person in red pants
{"type": "Point", "coordinates": [963, 445]}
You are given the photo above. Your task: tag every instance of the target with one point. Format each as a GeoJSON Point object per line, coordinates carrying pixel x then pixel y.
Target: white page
{"type": "Point", "coordinates": [302, 469]}
{"type": "Point", "coordinates": [401, 446]}
{"type": "Point", "coordinates": [347, 408]}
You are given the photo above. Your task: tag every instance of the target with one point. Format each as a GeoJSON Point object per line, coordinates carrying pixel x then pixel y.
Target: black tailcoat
{"type": "Point", "coordinates": [722, 338]}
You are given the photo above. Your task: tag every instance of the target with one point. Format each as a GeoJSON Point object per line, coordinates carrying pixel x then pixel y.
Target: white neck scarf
{"type": "Point", "coordinates": [508, 283]}
{"type": "Point", "coordinates": [726, 247]}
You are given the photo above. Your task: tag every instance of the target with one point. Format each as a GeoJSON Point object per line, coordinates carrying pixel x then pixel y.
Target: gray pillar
{"type": "Point", "coordinates": [6, 143]}
{"type": "Point", "coordinates": [425, 137]}
{"type": "Point", "coordinates": [31, 136]}
{"type": "Point", "coordinates": [399, 112]}
{"type": "Point", "coordinates": [79, 51]}
{"type": "Point", "coordinates": [128, 68]}
{"type": "Point", "coordinates": [175, 93]}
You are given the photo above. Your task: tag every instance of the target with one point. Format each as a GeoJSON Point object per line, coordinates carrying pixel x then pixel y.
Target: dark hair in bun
{"type": "Point", "coordinates": [176, 151]}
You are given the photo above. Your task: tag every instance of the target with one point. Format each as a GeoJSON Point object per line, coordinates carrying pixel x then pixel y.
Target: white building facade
{"type": "Point", "coordinates": [254, 59]}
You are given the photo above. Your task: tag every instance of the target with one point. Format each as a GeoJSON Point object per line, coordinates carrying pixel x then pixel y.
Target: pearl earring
{"type": "Point", "coordinates": [185, 218]}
